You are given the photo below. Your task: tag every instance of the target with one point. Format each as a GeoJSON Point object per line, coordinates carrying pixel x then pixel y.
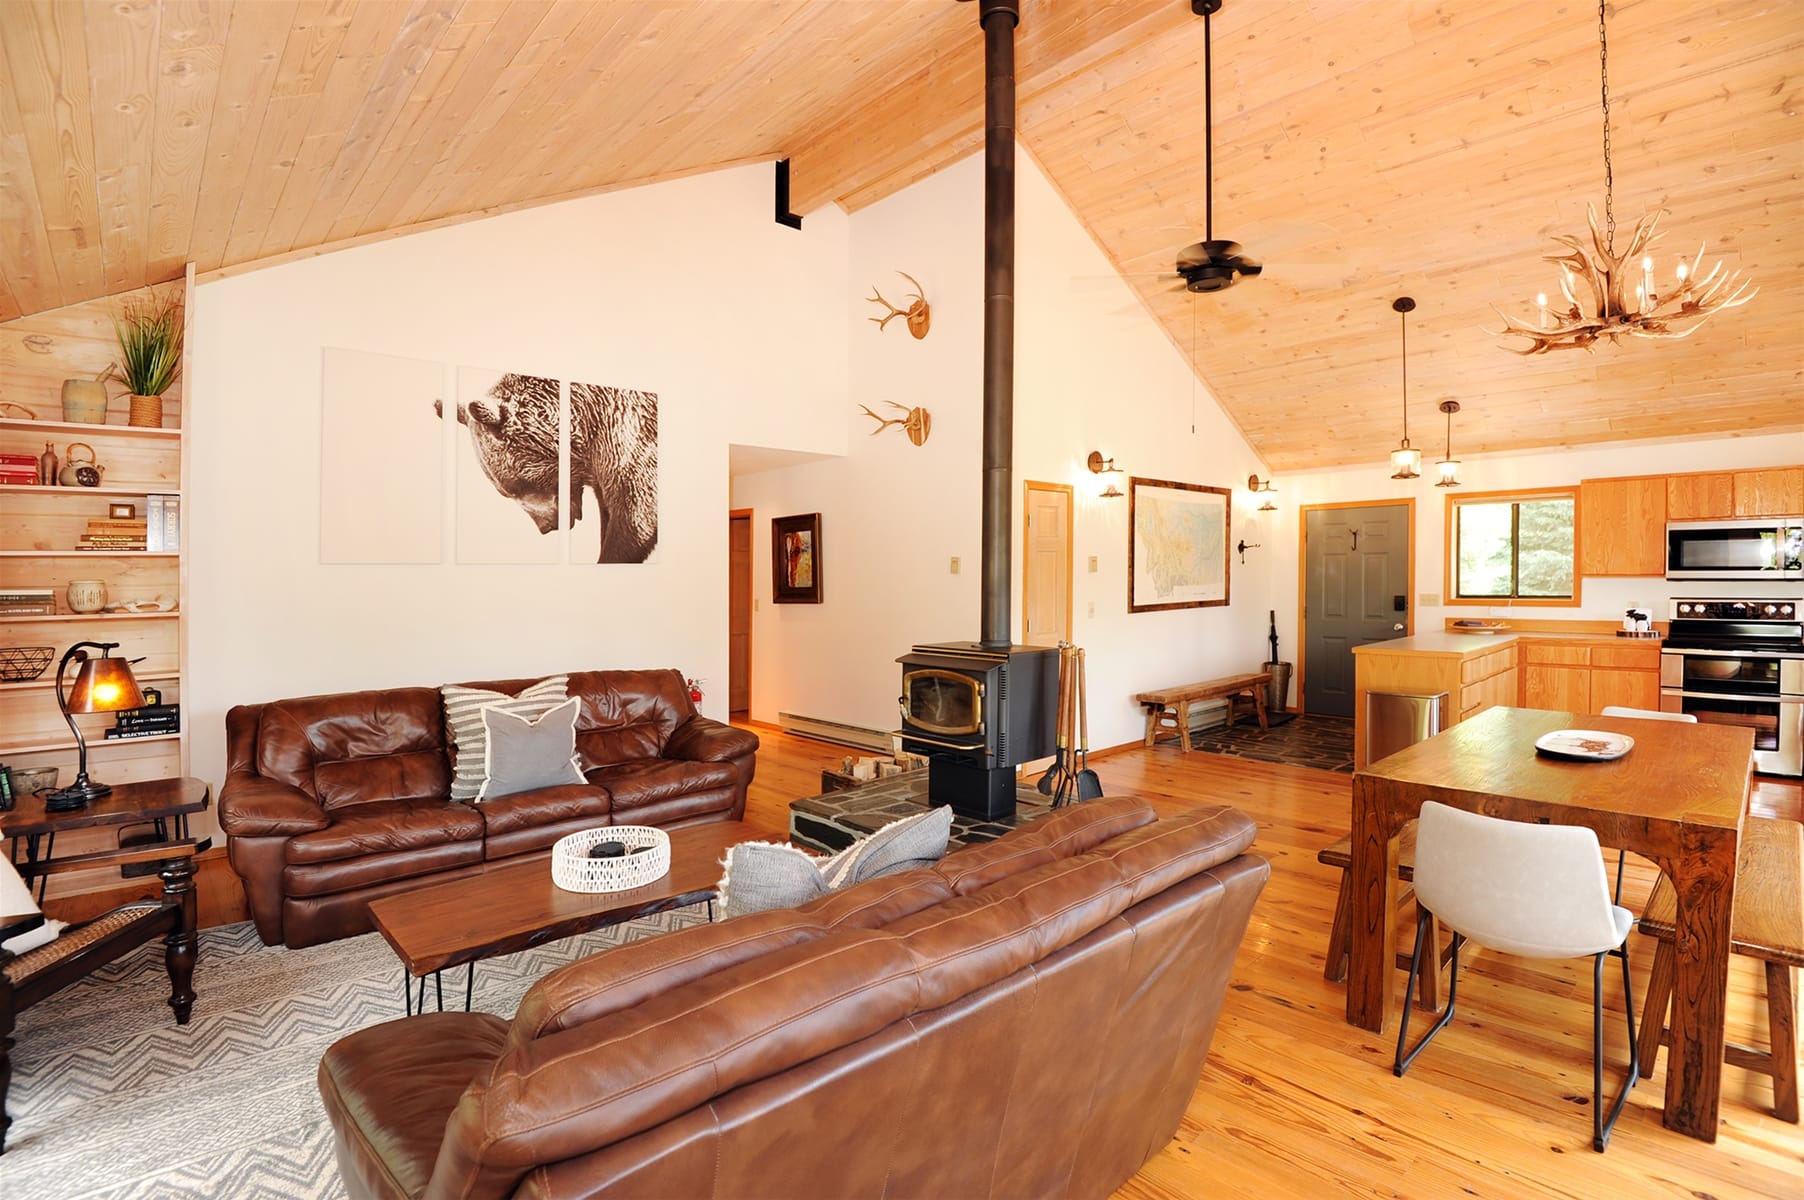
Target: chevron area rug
{"type": "Point", "coordinates": [112, 1099]}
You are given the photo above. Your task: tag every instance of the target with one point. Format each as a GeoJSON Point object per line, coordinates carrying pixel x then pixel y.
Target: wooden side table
{"type": "Point", "coordinates": [165, 804]}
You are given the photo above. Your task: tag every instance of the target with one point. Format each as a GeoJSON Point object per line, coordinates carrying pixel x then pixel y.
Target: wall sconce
{"type": "Point", "coordinates": [1265, 488]}
{"type": "Point", "coordinates": [1106, 466]}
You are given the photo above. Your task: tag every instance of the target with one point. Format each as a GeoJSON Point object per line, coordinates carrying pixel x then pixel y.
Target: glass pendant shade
{"type": "Point", "coordinates": [1449, 469]}
{"type": "Point", "coordinates": [1406, 461]}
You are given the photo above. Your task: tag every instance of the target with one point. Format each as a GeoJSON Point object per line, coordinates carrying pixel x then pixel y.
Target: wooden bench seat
{"type": "Point", "coordinates": [1768, 925]}
{"type": "Point", "coordinates": [1340, 934]}
{"type": "Point", "coordinates": [1168, 709]}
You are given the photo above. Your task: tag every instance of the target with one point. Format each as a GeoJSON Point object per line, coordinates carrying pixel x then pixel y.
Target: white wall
{"type": "Point", "coordinates": [1599, 598]}
{"type": "Point", "coordinates": [686, 288]}
{"type": "Point", "coordinates": [1093, 372]}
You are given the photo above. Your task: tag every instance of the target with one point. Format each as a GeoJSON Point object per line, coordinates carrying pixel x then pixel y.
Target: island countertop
{"type": "Point", "coordinates": [1442, 643]}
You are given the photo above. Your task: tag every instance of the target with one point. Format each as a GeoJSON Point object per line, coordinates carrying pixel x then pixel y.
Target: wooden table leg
{"type": "Point", "coordinates": [1259, 709]}
{"type": "Point", "coordinates": [1703, 879]}
{"type": "Point", "coordinates": [1153, 713]}
{"type": "Point", "coordinates": [1184, 726]}
{"type": "Point", "coordinates": [1372, 880]}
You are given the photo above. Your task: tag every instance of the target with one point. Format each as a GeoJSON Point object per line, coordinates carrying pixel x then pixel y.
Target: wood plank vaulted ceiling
{"type": "Point", "coordinates": [1364, 149]}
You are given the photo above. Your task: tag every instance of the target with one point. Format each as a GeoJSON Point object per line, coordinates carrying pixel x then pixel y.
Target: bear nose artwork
{"type": "Point", "coordinates": [613, 454]}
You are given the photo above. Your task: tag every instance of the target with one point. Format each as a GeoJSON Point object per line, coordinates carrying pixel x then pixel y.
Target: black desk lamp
{"type": "Point", "coordinates": [101, 685]}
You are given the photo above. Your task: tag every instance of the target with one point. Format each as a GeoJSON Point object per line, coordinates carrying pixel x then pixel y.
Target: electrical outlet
{"type": "Point", "coordinates": [1092, 567]}
{"type": "Point", "coordinates": [955, 564]}
{"type": "Point", "coordinates": [1092, 610]}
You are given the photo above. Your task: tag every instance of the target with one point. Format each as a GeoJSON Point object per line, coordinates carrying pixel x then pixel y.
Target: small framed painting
{"type": "Point", "coordinates": [795, 559]}
{"type": "Point", "coordinates": [1177, 545]}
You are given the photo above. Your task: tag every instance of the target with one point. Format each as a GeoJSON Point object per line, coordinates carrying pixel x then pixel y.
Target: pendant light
{"type": "Point", "coordinates": [1449, 466]}
{"type": "Point", "coordinates": [1406, 461]}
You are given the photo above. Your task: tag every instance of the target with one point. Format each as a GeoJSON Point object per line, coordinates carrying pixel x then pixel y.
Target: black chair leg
{"type": "Point", "coordinates": [1425, 920]}
{"type": "Point", "coordinates": [1602, 1126]}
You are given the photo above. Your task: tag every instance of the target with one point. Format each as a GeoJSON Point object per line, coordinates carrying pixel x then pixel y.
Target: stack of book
{"type": "Point", "coordinates": [27, 602]}
{"type": "Point", "coordinates": [18, 468]}
{"type": "Point", "coordinates": [149, 721]}
{"type": "Point", "coordinates": [114, 533]}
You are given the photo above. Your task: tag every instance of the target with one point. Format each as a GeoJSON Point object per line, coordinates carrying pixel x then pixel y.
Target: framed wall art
{"type": "Point", "coordinates": [1177, 545]}
{"type": "Point", "coordinates": [795, 559]}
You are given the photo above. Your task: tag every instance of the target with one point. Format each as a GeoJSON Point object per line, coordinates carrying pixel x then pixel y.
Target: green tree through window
{"type": "Point", "coordinates": [1513, 549]}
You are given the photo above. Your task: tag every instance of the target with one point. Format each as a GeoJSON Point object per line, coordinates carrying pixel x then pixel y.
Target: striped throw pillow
{"type": "Point", "coordinates": [469, 738]}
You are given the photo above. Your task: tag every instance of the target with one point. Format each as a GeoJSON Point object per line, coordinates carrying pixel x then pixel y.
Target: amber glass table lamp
{"type": "Point", "coordinates": [101, 685]}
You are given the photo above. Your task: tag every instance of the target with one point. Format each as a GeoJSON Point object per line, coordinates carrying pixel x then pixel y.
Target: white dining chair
{"type": "Point", "coordinates": [1644, 714]}
{"type": "Point", "coordinates": [1533, 890]}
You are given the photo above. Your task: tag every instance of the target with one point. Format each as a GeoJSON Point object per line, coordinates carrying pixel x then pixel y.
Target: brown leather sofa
{"type": "Point", "coordinates": [333, 801]}
{"type": "Point", "coordinates": [1028, 1018]}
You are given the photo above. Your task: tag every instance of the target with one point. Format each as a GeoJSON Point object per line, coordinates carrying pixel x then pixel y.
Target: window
{"type": "Point", "coordinates": [1511, 546]}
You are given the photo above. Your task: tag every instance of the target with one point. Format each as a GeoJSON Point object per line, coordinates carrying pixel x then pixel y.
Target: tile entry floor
{"type": "Point", "coordinates": [1325, 743]}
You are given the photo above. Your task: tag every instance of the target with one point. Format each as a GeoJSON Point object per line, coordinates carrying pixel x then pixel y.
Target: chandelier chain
{"type": "Point", "coordinates": [1603, 64]}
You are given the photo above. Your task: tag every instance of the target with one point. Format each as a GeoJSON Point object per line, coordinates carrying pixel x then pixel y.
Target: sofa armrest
{"type": "Point", "coordinates": [703, 739]}
{"type": "Point", "coordinates": [251, 806]}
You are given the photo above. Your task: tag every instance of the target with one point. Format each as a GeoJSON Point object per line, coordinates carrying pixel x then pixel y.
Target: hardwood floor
{"type": "Point", "coordinates": [1296, 1102]}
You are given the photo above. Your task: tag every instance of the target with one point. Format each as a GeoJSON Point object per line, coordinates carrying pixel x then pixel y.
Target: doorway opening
{"type": "Point", "coordinates": [1358, 566]}
{"type": "Point", "coordinates": [739, 611]}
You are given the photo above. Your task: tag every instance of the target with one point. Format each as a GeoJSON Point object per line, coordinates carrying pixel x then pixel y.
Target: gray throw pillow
{"type": "Point", "coordinates": [469, 740]}
{"type": "Point", "coordinates": [525, 753]}
{"type": "Point", "coordinates": [765, 875]}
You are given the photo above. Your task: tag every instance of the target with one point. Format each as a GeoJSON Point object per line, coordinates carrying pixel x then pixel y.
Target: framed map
{"type": "Point", "coordinates": [1177, 545]}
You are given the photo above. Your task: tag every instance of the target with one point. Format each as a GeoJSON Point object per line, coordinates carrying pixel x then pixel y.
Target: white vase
{"type": "Point", "coordinates": [86, 595]}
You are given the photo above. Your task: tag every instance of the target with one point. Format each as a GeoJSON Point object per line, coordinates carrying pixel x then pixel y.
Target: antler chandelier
{"type": "Point", "coordinates": [1607, 309]}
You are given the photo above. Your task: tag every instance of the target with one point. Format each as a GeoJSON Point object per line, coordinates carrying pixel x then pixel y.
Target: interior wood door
{"type": "Point", "coordinates": [739, 610]}
{"type": "Point", "coordinates": [1046, 565]}
{"type": "Point", "coordinates": [1355, 590]}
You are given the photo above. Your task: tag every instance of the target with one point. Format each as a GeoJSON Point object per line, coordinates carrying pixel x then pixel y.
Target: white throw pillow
{"type": "Point", "coordinates": [765, 875]}
{"type": "Point", "coordinates": [469, 740]}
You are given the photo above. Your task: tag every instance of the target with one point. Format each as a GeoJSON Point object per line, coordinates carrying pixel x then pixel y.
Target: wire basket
{"type": "Point", "coordinates": [573, 870]}
{"type": "Point", "coordinates": [20, 663]}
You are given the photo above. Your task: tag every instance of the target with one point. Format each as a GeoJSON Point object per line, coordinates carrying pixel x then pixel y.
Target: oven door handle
{"type": "Point", "coordinates": [1675, 652]}
{"type": "Point", "coordinates": [1771, 698]}
{"type": "Point", "coordinates": [915, 737]}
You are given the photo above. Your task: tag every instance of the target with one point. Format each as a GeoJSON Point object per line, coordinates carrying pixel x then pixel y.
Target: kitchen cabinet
{"type": "Point", "coordinates": [1775, 493]}
{"type": "Point", "coordinates": [1622, 526]}
{"type": "Point", "coordinates": [1771, 492]}
{"type": "Point", "coordinates": [1588, 677]}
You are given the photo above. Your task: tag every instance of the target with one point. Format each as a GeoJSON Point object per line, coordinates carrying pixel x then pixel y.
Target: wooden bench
{"type": "Point", "coordinates": [1168, 709]}
{"type": "Point", "coordinates": [1340, 934]}
{"type": "Point", "coordinates": [1768, 925]}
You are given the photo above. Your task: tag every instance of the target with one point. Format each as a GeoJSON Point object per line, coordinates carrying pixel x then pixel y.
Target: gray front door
{"type": "Point", "coordinates": [1355, 590]}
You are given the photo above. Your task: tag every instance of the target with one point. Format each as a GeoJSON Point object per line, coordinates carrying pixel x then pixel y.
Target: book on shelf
{"type": "Point", "coordinates": [27, 594]}
{"type": "Point", "coordinates": [25, 609]}
{"type": "Point", "coordinates": [116, 525]}
{"type": "Point", "coordinates": [172, 523]}
{"type": "Point", "coordinates": [8, 475]}
{"type": "Point", "coordinates": [153, 517]}
{"type": "Point", "coordinates": [126, 734]}
{"type": "Point", "coordinates": [151, 716]}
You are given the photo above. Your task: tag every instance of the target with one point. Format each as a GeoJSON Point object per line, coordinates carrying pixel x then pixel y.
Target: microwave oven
{"type": "Point", "coordinates": [1760, 548]}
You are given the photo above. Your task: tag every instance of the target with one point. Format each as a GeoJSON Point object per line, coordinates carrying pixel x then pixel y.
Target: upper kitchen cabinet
{"type": "Point", "coordinates": [1776, 492]}
{"type": "Point", "coordinates": [1622, 525]}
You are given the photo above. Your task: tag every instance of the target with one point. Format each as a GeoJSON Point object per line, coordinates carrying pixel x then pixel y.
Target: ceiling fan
{"type": "Point", "coordinates": [1211, 264]}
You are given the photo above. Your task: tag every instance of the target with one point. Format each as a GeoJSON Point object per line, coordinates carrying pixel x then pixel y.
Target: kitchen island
{"type": "Point", "coordinates": [1476, 671]}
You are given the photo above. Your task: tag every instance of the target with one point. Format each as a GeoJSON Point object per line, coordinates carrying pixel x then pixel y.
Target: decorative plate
{"type": "Point", "coordinates": [1585, 745]}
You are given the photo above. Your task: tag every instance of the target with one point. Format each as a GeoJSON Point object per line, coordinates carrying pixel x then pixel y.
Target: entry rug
{"type": "Point", "coordinates": [1325, 743]}
{"type": "Point", "coordinates": [112, 1099]}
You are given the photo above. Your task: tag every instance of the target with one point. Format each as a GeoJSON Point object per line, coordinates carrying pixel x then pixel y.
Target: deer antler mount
{"type": "Point", "coordinates": [918, 315]}
{"type": "Point", "coordinates": [917, 423]}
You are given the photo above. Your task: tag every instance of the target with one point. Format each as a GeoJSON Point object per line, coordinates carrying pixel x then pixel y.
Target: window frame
{"type": "Point", "coordinates": [1450, 548]}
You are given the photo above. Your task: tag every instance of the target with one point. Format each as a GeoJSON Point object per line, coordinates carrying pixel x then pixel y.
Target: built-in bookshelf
{"type": "Point", "coordinates": [52, 535]}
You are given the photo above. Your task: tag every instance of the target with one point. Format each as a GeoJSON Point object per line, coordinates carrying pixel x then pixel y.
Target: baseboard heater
{"type": "Point", "coordinates": [876, 741]}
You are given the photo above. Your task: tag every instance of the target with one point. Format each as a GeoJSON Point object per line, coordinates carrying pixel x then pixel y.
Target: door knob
{"type": "Point", "coordinates": [1398, 625]}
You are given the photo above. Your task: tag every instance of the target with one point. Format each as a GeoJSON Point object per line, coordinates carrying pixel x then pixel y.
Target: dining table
{"type": "Point", "coordinates": [1677, 797]}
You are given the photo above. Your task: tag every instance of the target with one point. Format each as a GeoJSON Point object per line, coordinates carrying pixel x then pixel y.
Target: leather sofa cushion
{"type": "Point", "coordinates": [386, 827]}
{"type": "Point", "coordinates": [339, 877]}
{"type": "Point", "coordinates": [1069, 831]}
{"type": "Point", "coordinates": [649, 781]}
{"type": "Point", "coordinates": [393, 1132]}
{"type": "Point", "coordinates": [356, 746]}
{"type": "Point", "coordinates": [543, 806]}
{"type": "Point", "coordinates": [645, 1064]}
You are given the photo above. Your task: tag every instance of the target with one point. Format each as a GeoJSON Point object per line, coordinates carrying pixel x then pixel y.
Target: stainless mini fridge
{"type": "Point", "coordinates": [1398, 719]}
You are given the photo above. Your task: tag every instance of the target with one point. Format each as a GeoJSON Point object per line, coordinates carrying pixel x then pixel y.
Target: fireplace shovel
{"type": "Point", "coordinates": [1059, 771]}
{"type": "Point", "coordinates": [1089, 787]}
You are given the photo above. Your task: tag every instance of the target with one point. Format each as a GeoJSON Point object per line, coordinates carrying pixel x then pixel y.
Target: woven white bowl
{"type": "Point", "coordinates": [573, 870]}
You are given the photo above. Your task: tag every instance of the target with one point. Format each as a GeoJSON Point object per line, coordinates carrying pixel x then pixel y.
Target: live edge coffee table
{"type": "Point", "coordinates": [512, 906]}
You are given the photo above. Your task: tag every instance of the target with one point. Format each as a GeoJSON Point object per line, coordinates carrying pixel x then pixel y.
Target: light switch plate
{"type": "Point", "coordinates": [955, 564]}
{"type": "Point", "coordinates": [1092, 564]}
{"type": "Point", "coordinates": [1428, 599]}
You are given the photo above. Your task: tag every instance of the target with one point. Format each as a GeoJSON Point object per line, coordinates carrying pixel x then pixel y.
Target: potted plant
{"type": "Point", "coordinates": [150, 354]}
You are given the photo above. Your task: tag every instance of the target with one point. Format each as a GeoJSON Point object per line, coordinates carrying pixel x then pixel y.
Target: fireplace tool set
{"type": "Point", "coordinates": [1071, 773]}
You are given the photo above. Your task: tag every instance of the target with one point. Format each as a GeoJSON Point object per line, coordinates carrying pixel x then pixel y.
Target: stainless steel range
{"type": "Point", "coordinates": [1740, 662]}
